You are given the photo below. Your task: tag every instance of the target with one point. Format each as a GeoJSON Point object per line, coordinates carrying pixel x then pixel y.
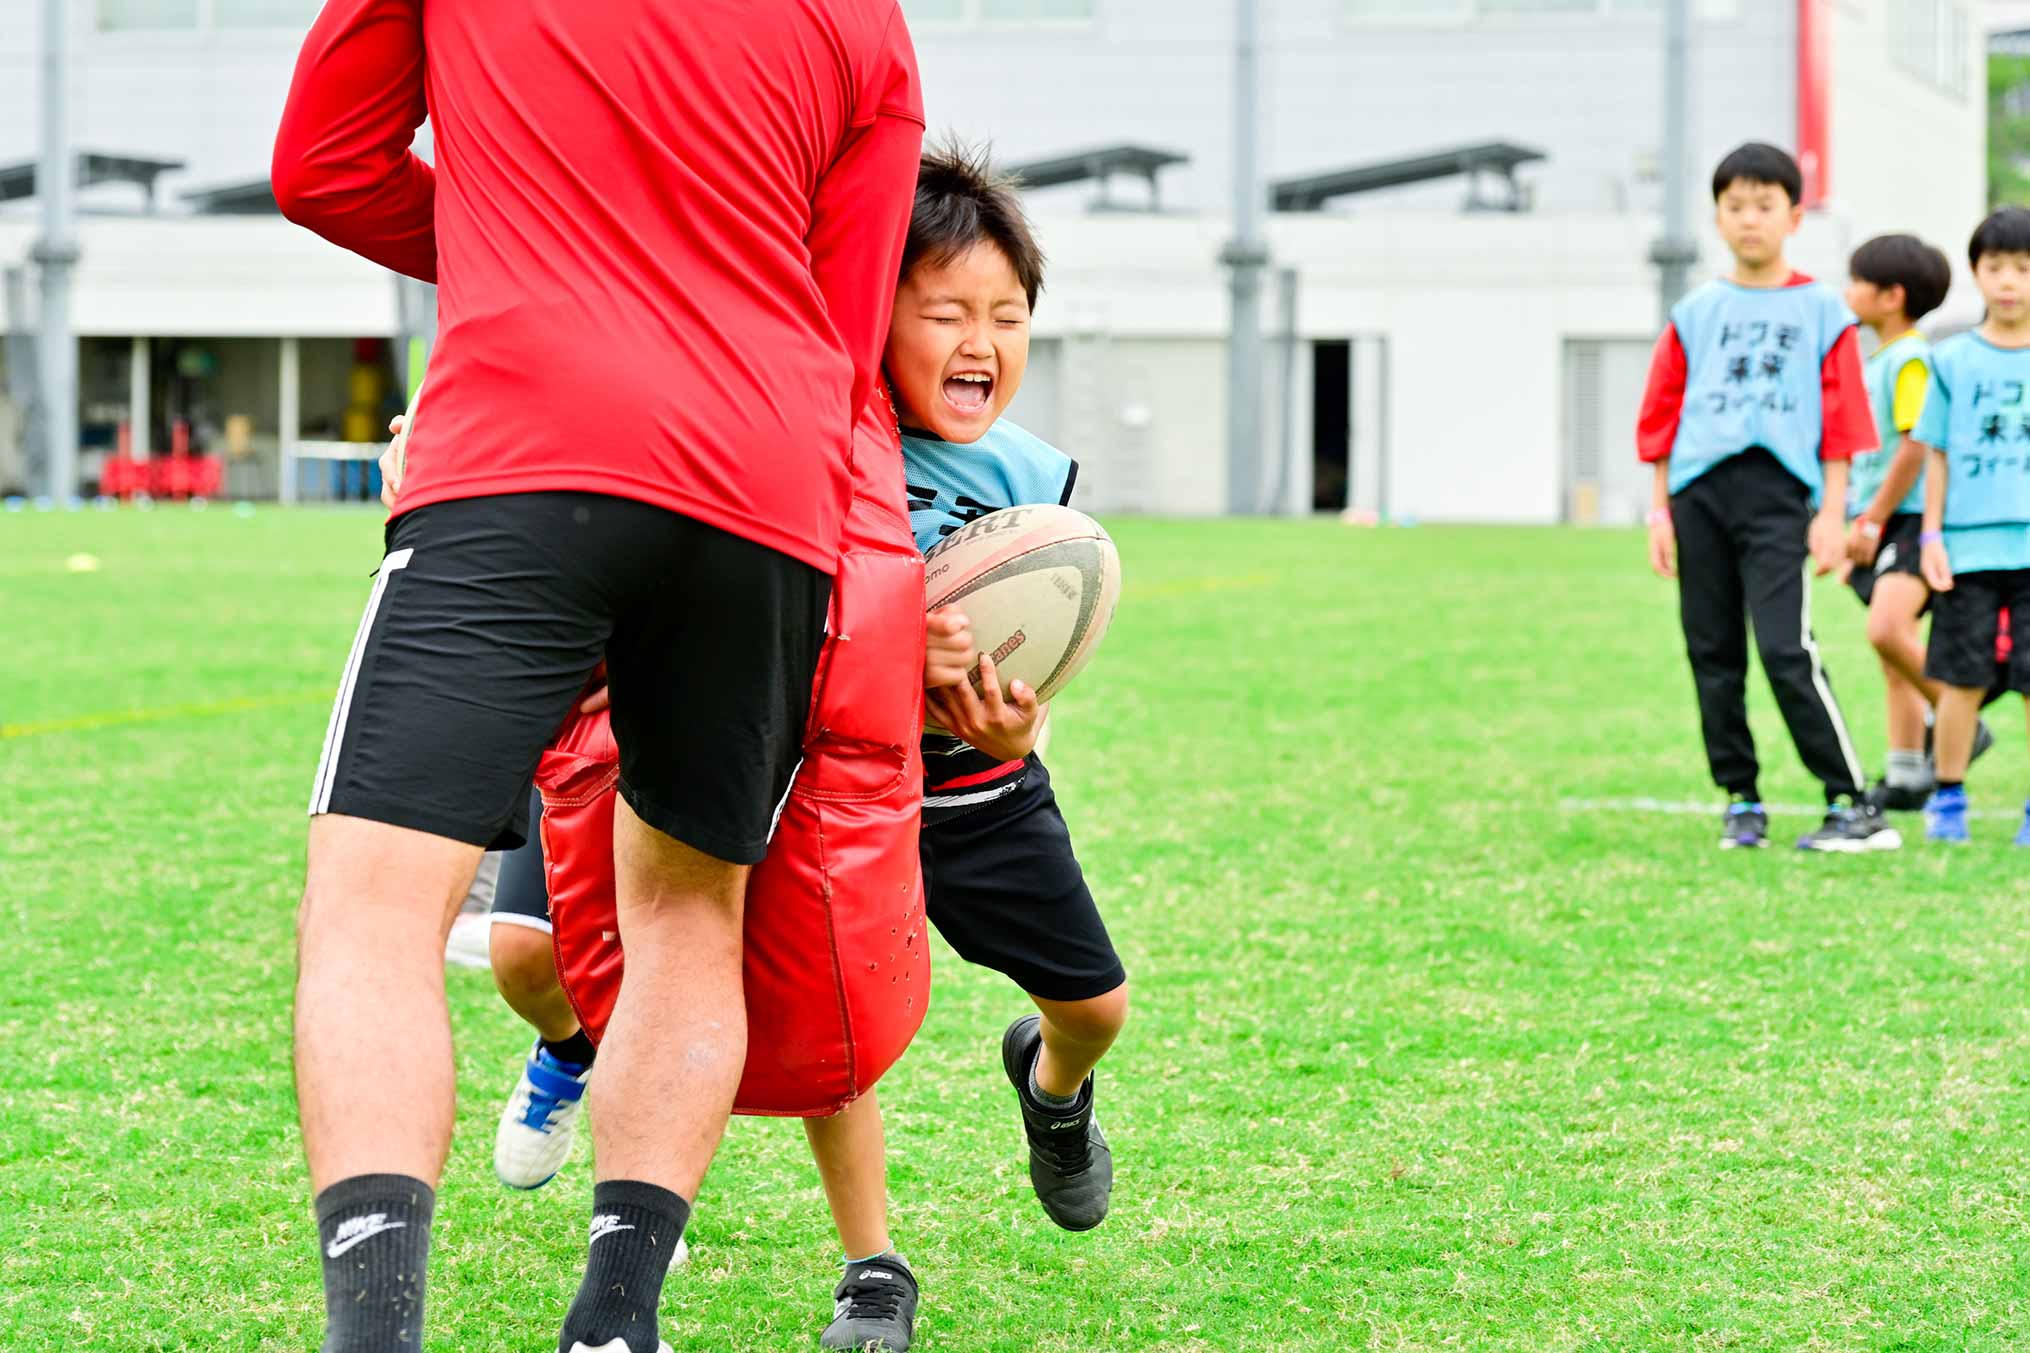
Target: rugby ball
{"type": "Point", "coordinates": [1039, 585]}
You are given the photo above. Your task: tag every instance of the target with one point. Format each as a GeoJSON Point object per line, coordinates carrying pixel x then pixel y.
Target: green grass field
{"type": "Point", "coordinates": [1427, 1053]}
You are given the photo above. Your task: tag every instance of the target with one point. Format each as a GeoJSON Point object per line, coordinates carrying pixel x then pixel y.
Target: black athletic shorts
{"type": "Point", "coordinates": [1964, 625]}
{"type": "Point", "coordinates": [1003, 887]}
{"type": "Point", "coordinates": [1899, 551]}
{"type": "Point", "coordinates": [521, 896]}
{"type": "Point", "coordinates": [487, 617]}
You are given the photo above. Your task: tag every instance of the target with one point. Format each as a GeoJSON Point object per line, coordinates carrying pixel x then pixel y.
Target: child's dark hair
{"type": "Point", "coordinates": [2005, 232]}
{"type": "Point", "coordinates": [1759, 162]}
{"type": "Point", "coordinates": [1908, 262]}
{"type": "Point", "coordinates": [961, 202]}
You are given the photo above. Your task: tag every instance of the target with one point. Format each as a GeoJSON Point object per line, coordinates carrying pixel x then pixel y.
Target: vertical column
{"type": "Point", "coordinates": [139, 397]}
{"type": "Point", "coordinates": [1676, 250]}
{"type": "Point", "coordinates": [1245, 256]}
{"type": "Point", "coordinates": [55, 253]}
{"type": "Point", "coordinates": [291, 418]}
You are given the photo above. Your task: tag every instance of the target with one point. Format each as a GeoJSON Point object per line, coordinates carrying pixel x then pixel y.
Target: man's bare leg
{"type": "Point", "coordinates": [374, 1083]}
{"type": "Point", "coordinates": [669, 1066]}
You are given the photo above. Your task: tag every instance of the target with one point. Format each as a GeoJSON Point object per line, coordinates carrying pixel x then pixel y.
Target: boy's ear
{"type": "Point", "coordinates": [1796, 217]}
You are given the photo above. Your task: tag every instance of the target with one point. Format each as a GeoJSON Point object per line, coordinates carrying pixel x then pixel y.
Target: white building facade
{"type": "Point", "coordinates": [1427, 361]}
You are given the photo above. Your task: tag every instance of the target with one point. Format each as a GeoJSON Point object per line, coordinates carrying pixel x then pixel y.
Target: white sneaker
{"type": "Point", "coordinates": [613, 1346]}
{"type": "Point", "coordinates": [681, 1255]}
{"type": "Point", "coordinates": [540, 1121]}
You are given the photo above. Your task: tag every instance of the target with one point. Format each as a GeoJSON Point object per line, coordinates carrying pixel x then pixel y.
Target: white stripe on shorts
{"type": "Point", "coordinates": [775, 818]}
{"type": "Point", "coordinates": [334, 732]}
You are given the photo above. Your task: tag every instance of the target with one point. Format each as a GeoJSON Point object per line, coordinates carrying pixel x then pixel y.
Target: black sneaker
{"type": "Point", "coordinates": [1884, 797]}
{"type": "Point", "coordinates": [1984, 738]}
{"type": "Point", "coordinates": [874, 1307]}
{"type": "Point", "coordinates": [1852, 828]}
{"type": "Point", "coordinates": [1069, 1163]}
{"type": "Point", "coordinates": [1744, 827]}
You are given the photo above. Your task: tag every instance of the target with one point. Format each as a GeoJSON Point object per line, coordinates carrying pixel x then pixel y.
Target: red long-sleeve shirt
{"type": "Point", "coordinates": [665, 237]}
{"type": "Point", "coordinates": [1848, 422]}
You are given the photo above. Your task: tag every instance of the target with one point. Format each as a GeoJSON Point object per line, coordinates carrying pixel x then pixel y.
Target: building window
{"type": "Point", "coordinates": [1433, 12]}
{"type": "Point", "coordinates": [297, 14]}
{"type": "Point", "coordinates": [1000, 11]}
{"type": "Point", "coordinates": [1933, 40]}
{"type": "Point", "coordinates": [120, 16]}
{"type": "Point", "coordinates": [1449, 13]}
{"type": "Point", "coordinates": [193, 16]}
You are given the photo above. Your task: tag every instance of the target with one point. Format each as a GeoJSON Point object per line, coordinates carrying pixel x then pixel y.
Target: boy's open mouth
{"type": "Point", "coordinates": [969, 392]}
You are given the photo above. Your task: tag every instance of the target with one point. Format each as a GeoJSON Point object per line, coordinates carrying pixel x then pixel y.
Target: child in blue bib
{"type": "Point", "coordinates": [1896, 280]}
{"type": "Point", "coordinates": [1756, 402]}
{"type": "Point", "coordinates": [1976, 534]}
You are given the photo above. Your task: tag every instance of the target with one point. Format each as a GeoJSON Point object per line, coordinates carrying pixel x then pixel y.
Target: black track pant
{"type": "Point", "coordinates": [1742, 557]}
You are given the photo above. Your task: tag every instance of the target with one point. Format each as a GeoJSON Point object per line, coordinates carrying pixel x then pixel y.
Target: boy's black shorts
{"type": "Point", "coordinates": [1003, 887]}
{"type": "Point", "coordinates": [1963, 630]}
{"type": "Point", "coordinates": [489, 614]}
{"type": "Point", "coordinates": [1898, 551]}
{"type": "Point", "coordinates": [521, 896]}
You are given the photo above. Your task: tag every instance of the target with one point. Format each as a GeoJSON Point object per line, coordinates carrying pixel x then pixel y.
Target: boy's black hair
{"type": "Point", "coordinates": [961, 202]}
{"type": "Point", "coordinates": [2005, 232]}
{"type": "Point", "coordinates": [1908, 262]}
{"type": "Point", "coordinates": [1759, 162]}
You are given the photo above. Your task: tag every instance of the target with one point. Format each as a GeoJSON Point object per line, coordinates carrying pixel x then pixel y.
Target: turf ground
{"type": "Point", "coordinates": [1438, 1042]}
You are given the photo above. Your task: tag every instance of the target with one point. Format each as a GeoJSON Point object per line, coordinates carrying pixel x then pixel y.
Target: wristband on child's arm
{"type": "Point", "coordinates": [1659, 516]}
{"type": "Point", "coordinates": [1931, 537]}
{"type": "Point", "coordinates": [1870, 528]}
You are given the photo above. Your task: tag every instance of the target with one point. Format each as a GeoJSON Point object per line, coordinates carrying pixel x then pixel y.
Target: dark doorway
{"type": "Point", "coordinates": [1331, 424]}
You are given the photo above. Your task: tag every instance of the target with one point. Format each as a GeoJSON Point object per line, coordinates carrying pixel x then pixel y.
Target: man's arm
{"type": "Point", "coordinates": [342, 164]}
{"type": "Point", "coordinates": [860, 213]}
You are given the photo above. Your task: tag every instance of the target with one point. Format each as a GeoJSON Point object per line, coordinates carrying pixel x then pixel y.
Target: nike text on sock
{"type": "Point", "coordinates": [373, 1233]}
{"type": "Point", "coordinates": [1044, 1097]}
{"type": "Point", "coordinates": [635, 1229]}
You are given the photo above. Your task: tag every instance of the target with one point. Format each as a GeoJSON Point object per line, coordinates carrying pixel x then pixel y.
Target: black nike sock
{"type": "Point", "coordinates": [635, 1228]}
{"type": "Point", "coordinates": [373, 1231]}
{"type": "Point", "coordinates": [577, 1050]}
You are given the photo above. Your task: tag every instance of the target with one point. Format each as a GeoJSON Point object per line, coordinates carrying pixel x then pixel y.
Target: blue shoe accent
{"type": "Point", "coordinates": [2023, 832]}
{"type": "Point", "coordinates": [552, 1084]}
{"type": "Point", "coordinates": [1945, 816]}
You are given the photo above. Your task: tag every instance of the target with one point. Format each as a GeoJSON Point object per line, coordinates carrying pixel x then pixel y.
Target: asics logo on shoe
{"type": "Point", "coordinates": [867, 1273]}
{"type": "Point", "coordinates": [1065, 1124]}
{"type": "Point", "coordinates": [605, 1225]}
{"type": "Point", "coordinates": [356, 1229]}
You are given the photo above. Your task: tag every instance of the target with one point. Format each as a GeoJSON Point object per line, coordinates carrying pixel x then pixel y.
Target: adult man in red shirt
{"type": "Point", "coordinates": [687, 217]}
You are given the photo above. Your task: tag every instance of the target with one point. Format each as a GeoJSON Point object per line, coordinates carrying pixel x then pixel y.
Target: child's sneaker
{"type": "Point", "coordinates": [1945, 817]}
{"type": "Point", "coordinates": [540, 1120]}
{"type": "Point", "coordinates": [1070, 1165]}
{"type": "Point", "coordinates": [1851, 828]}
{"type": "Point", "coordinates": [874, 1307]}
{"type": "Point", "coordinates": [1888, 798]}
{"type": "Point", "coordinates": [1745, 826]}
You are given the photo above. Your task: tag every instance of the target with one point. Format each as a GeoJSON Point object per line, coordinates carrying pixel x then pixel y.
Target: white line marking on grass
{"type": "Point", "coordinates": [1692, 808]}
